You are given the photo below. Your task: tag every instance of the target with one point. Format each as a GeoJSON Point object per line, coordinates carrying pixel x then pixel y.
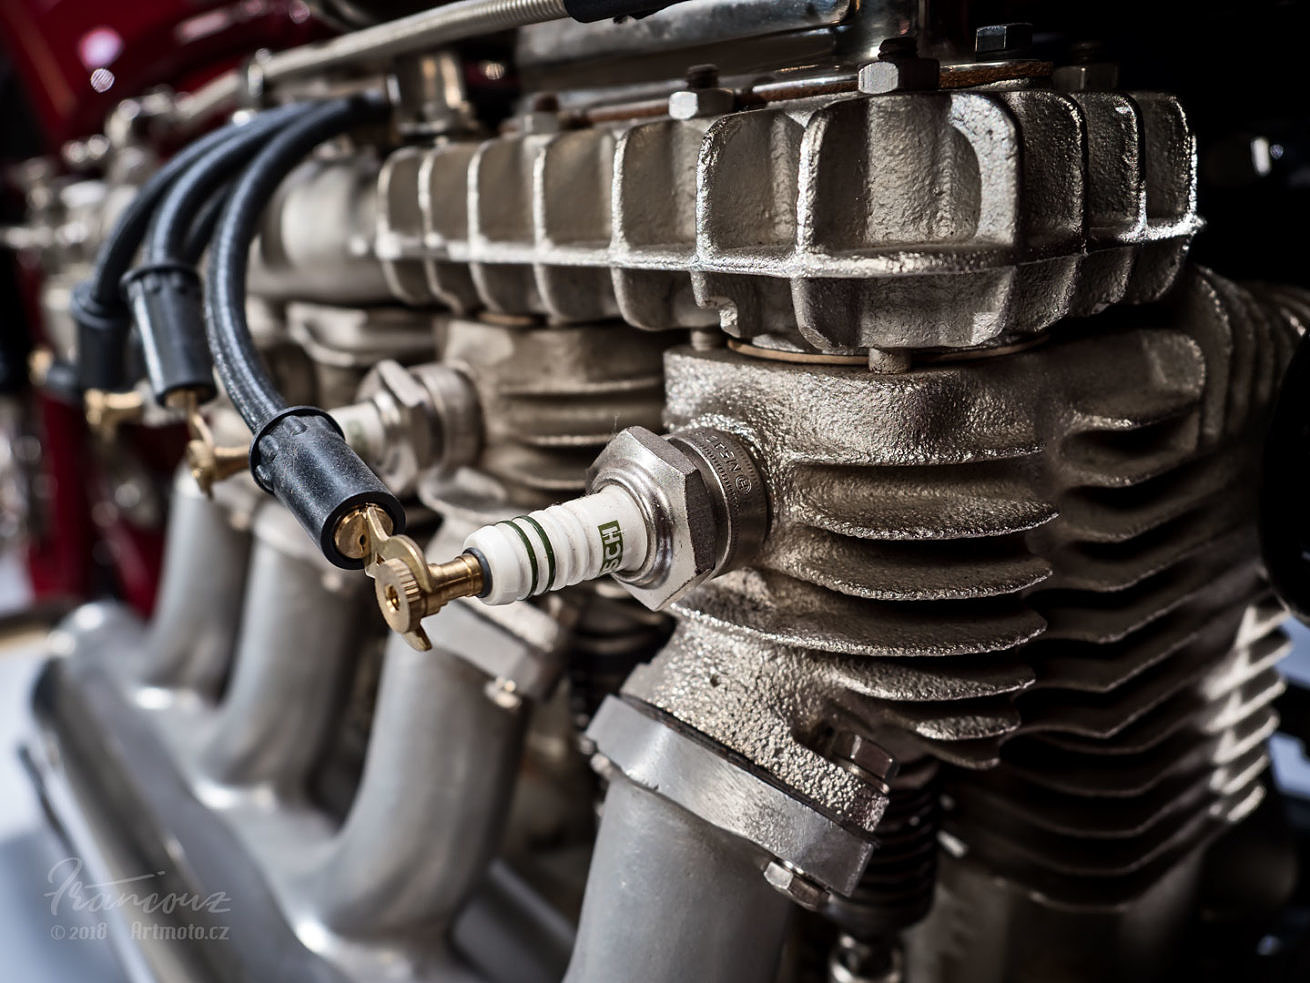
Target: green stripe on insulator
{"type": "Point", "coordinates": [550, 551]}
{"type": "Point", "coordinates": [532, 554]}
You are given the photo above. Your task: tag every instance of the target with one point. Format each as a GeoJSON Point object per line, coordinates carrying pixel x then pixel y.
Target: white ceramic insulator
{"type": "Point", "coordinates": [364, 430]}
{"type": "Point", "coordinates": [562, 545]}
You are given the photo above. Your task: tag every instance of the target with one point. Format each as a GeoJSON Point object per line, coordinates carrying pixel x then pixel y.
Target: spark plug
{"type": "Point", "coordinates": [405, 421]}
{"type": "Point", "coordinates": [662, 515]}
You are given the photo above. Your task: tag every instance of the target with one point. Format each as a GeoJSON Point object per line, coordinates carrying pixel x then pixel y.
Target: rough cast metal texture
{"type": "Point", "coordinates": [1040, 566]}
{"type": "Point", "coordinates": [912, 221]}
{"type": "Point", "coordinates": [550, 399]}
{"type": "Point", "coordinates": [692, 773]}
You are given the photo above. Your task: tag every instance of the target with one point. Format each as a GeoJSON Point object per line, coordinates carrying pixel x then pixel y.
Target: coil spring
{"type": "Point", "coordinates": [614, 635]}
{"type": "Point", "coordinates": [896, 890]}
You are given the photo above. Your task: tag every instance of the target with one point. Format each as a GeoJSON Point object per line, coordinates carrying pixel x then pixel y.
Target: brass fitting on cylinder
{"type": "Point", "coordinates": [107, 411]}
{"type": "Point", "coordinates": [408, 587]}
{"type": "Point", "coordinates": [209, 462]}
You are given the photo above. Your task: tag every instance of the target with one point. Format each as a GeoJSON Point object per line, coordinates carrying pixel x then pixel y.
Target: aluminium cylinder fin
{"type": "Point", "coordinates": [940, 220]}
{"type": "Point", "coordinates": [1041, 567]}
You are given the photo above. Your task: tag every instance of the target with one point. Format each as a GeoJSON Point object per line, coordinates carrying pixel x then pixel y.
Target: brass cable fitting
{"type": "Point", "coordinates": [107, 411]}
{"type": "Point", "coordinates": [408, 587]}
{"type": "Point", "coordinates": [664, 515]}
{"type": "Point", "coordinates": [209, 462]}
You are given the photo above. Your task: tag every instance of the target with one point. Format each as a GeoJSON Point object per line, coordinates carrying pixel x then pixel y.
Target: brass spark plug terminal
{"type": "Point", "coordinates": [408, 587]}
{"type": "Point", "coordinates": [209, 462]}
{"type": "Point", "coordinates": [107, 411]}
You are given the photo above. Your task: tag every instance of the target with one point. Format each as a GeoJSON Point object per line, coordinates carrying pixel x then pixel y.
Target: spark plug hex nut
{"type": "Point", "coordinates": [675, 500]}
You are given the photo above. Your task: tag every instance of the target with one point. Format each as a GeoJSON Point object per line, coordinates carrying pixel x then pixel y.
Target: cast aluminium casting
{"type": "Point", "coordinates": [1035, 566]}
{"type": "Point", "coordinates": [902, 221]}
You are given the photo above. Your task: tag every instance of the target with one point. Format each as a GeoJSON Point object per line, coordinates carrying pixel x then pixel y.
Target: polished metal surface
{"type": "Point", "coordinates": [301, 623]}
{"type": "Point", "coordinates": [691, 24]}
{"type": "Point", "coordinates": [399, 865]}
{"type": "Point", "coordinates": [194, 630]}
{"type": "Point", "coordinates": [422, 31]}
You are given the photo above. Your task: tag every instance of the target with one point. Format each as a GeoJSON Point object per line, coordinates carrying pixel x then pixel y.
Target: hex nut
{"type": "Point", "coordinates": [406, 416]}
{"type": "Point", "coordinates": [699, 103]}
{"type": "Point", "coordinates": [676, 498]}
{"type": "Point", "coordinates": [865, 758]}
{"type": "Point", "coordinates": [899, 75]}
{"type": "Point", "coordinates": [429, 416]}
{"type": "Point", "coordinates": [737, 489]}
{"type": "Point", "coordinates": [539, 121]}
{"type": "Point", "coordinates": [999, 42]}
{"type": "Point", "coordinates": [1101, 76]}
{"type": "Point", "coordinates": [786, 879]}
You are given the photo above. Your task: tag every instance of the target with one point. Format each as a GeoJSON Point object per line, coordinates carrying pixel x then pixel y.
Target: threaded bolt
{"type": "Point", "coordinates": [865, 759]}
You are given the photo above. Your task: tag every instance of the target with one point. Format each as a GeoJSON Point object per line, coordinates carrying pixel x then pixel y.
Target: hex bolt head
{"type": "Point", "coordinates": [1000, 42]}
{"type": "Point", "coordinates": [1093, 77]}
{"type": "Point", "coordinates": [879, 77]}
{"type": "Point", "coordinates": [898, 69]}
{"type": "Point", "coordinates": [786, 879]}
{"type": "Point", "coordinates": [866, 759]}
{"type": "Point", "coordinates": [538, 122]}
{"type": "Point", "coordinates": [700, 103]}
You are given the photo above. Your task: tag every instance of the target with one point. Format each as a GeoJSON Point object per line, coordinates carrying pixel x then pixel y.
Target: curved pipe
{"type": "Point", "coordinates": [675, 897]}
{"type": "Point", "coordinates": [430, 809]}
{"type": "Point", "coordinates": [193, 632]}
{"type": "Point", "coordinates": [298, 634]}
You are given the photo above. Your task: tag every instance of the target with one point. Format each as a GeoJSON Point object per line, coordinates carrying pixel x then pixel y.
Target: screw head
{"type": "Point", "coordinates": [898, 75]}
{"type": "Point", "coordinates": [786, 879]}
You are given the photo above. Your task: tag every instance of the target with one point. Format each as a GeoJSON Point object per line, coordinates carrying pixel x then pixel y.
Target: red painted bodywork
{"type": "Point", "coordinates": [57, 46]}
{"type": "Point", "coordinates": [76, 60]}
